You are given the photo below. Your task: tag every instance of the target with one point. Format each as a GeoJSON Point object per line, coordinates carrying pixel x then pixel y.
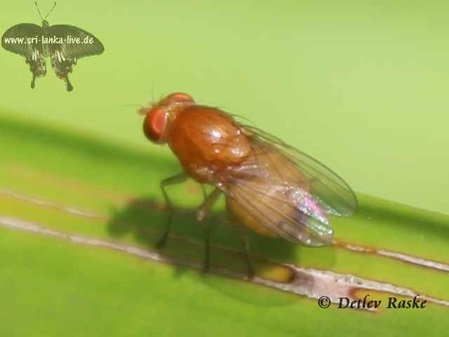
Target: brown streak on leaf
{"type": "Point", "coordinates": [436, 265]}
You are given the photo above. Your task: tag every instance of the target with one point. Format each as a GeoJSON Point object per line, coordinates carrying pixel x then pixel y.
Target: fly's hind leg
{"type": "Point", "coordinates": [245, 244]}
{"type": "Point", "coordinates": [177, 179]}
{"type": "Point", "coordinates": [203, 211]}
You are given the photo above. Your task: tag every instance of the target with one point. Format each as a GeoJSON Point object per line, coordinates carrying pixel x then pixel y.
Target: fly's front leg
{"type": "Point", "coordinates": [203, 210]}
{"type": "Point", "coordinates": [177, 179]}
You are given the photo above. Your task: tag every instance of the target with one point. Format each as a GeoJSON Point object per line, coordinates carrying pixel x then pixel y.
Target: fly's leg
{"type": "Point", "coordinates": [203, 189]}
{"type": "Point", "coordinates": [177, 179]}
{"type": "Point", "coordinates": [245, 244]}
{"type": "Point", "coordinates": [203, 210]}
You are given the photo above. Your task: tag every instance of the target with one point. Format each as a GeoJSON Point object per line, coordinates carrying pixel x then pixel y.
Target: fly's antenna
{"type": "Point", "coordinates": [141, 110]}
{"type": "Point", "coordinates": [40, 14]}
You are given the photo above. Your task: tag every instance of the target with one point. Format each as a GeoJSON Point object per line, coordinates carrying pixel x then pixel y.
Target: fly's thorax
{"type": "Point", "coordinates": [207, 141]}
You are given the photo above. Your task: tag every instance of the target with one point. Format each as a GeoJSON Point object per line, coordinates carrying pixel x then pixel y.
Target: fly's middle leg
{"type": "Point", "coordinates": [202, 213]}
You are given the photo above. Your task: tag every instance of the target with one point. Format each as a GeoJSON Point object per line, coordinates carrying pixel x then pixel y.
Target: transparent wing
{"type": "Point", "coordinates": [287, 192]}
{"type": "Point", "coordinates": [325, 185]}
{"type": "Point", "coordinates": [281, 210]}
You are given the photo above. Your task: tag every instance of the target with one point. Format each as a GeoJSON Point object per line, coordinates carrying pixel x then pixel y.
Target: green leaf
{"type": "Point", "coordinates": [79, 218]}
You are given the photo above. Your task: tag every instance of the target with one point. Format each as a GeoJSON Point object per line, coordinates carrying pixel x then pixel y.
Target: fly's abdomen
{"type": "Point", "coordinates": [247, 218]}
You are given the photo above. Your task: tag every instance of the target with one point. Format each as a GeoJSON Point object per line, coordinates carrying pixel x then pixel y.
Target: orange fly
{"type": "Point", "coordinates": [269, 186]}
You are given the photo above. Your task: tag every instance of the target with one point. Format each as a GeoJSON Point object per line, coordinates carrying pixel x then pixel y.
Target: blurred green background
{"type": "Point", "coordinates": [360, 85]}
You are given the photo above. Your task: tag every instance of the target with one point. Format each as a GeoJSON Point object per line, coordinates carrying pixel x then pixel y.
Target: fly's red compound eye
{"type": "Point", "coordinates": [154, 124]}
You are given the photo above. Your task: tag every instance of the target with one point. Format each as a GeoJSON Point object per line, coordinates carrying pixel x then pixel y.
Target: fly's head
{"type": "Point", "coordinates": [158, 116]}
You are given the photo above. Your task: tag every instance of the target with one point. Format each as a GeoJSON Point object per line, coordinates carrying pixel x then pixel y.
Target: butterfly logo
{"type": "Point", "coordinates": [64, 44]}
